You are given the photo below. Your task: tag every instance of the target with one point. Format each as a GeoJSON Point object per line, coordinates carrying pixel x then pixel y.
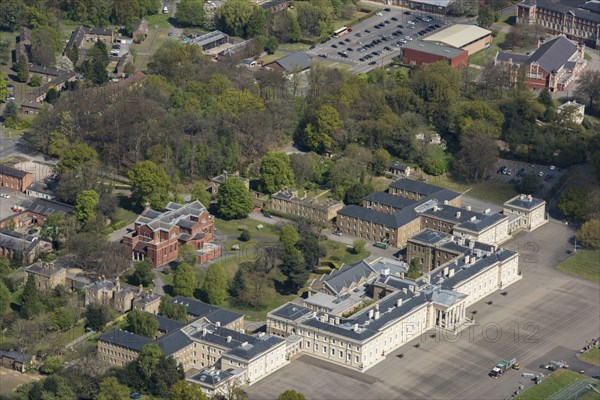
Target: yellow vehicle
{"type": "Point", "coordinates": [516, 366]}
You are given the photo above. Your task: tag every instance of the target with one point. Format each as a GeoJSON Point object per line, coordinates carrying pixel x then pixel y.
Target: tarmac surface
{"type": "Point", "coordinates": [547, 315]}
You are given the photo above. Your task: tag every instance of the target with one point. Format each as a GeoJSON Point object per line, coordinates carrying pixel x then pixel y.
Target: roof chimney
{"type": "Point", "coordinates": [468, 208]}
{"type": "Point", "coordinates": [376, 316]}
{"type": "Point", "coordinates": [399, 302]}
{"type": "Point", "coordinates": [337, 320]}
{"type": "Point", "coordinates": [522, 197]}
{"type": "Point", "coordinates": [371, 312]}
{"type": "Point", "coordinates": [404, 290]}
{"type": "Point", "coordinates": [458, 214]}
{"type": "Point", "coordinates": [445, 271]}
{"type": "Point", "coordinates": [355, 328]}
{"type": "Point", "coordinates": [451, 273]}
{"type": "Point", "coordinates": [445, 202]}
{"type": "Point", "coordinates": [529, 198]}
{"type": "Point", "coordinates": [467, 259]}
{"type": "Point", "coordinates": [204, 331]}
{"type": "Point", "coordinates": [228, 339]}
{"type": "Point", "coordinates": [218, 323]}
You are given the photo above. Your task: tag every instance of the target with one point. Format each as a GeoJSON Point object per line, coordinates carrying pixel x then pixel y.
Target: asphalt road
{"type": "Point", "coordinates": [548, 315]}
{"type": "Point", "coordinates": [367, 31]}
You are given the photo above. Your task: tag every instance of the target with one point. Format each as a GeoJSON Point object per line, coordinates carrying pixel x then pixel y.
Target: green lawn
{"type": "Point", "coordinates": [294, 46]}
{"type": "Point", "coordinates": [554, 383]}
{"type": "Point", "coordinates": [127, 216]}
{"type": "Point", "coordinates": [591, 357]}
{"type": "Point", "coordinates": [342, 254]}
{"type": "Point", "coordinates": [269, 58]}
{"type": "Point", "coordinates": [493, 191]}
{"type": "Point", "coordinates": [585, 264]}
{"type": "Point", "coordinates": [158, 34]}
{"type": "Point", "coordinates": [483, 57]}
{"type": "Point", "coordinates": [234, 227]}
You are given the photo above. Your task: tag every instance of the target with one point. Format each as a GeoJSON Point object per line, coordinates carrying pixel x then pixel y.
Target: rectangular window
{"type": "Point", "coordinates": [356, 359]}
{"type": "Point", "coordinates": [341, 354]}
{"type": "Point", "coordinates": [332, 351]}
{"type": "Point", "coordinates": [316, 347]}
{"type": "Point", "coordinates": [349, 356]}
{"type": "Point", "coordinates": [324, 349]}
{"type": "Point", "coordinates": [307, 344]}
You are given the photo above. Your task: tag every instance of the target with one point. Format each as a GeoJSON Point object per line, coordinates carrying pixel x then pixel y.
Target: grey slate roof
{"type": "Point", "coordinates": [125, 339]}
{"type": "Point", "coordinates": [48, 207]}
{"type": "Point", "coordinates": [553, 54]}
{"type": "Point", "coordinates": [11, 171]}
{"type": "Point", "coordinates": [482, 222]}
{"type": "Point", "coordinates": [524, 203]}
{"type": "Point", "coordinates": [464, 271]}
{"type": "Point", "coordinates": [14, 355]}
{"type": "Point", "coordinates": [346, 275]}
{"type": "Point", "coordinates": [44, 268]}
{"type": "Point", "coordinates": [173, 342]}
{"type": "Point", "coordinates": [410, 185]}
{"type": "Point", "coordinates": [256, 347]}
{"type": "Point", "coordinates": [40, 187]}
{"type": "Point", "coordinates": [295, 62]}
{"type": "Point", "coordinates": [212, 313]}
{"type": "Point", "coordinates": [174, 214]}
{"type": "Point", "coordinates": [211, 376]}
{"type": "Point", "coordinates": [389, 200]}
{"type": "Point", "coordinates": [291, 311]}
{"type": "Point", "coordinates": [17, 241]}
{"type": "Point", "coordinates": [561, 8]}
{"type": "Point", "coordinates": [39, 69]}
{"type": "Point", "coordinates": [514, 57]}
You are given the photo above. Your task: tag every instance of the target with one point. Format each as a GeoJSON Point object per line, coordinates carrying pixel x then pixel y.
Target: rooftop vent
{"type": "Point", "coordinates": [228, 339]}
{"type": "Point", "coordinates": [458, 214]}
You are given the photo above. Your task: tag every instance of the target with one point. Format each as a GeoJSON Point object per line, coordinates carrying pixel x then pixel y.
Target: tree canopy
{"type": "Point", "coordinates": [149, 184]}
{"type": "Point", "coordinates": [184, 280]}
{"type": "Point", "coordinates": [234, 199]}
{"type": "Point", "coordinates": [275, 172]}
{"type": "Point", "coordinates": [215, 284]}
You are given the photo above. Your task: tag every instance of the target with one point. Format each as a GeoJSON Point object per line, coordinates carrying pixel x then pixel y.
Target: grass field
{"type": "Point", "coordinates": [554, 383]}
{"type": "Point", "coordinates": [585, 264]}
{"type": "Point", "coordinates": [158, 34]}
{"type": "Point", "coordinates": [269, 58]}
{"type": "Point", "coordinates": [591, 357]}
{"type": "Point", "coordinates": [485, 56]}
{"type": "Point", "coordinates": [234, 227]}
{"type": "Point", "coordinates": [495, 192]}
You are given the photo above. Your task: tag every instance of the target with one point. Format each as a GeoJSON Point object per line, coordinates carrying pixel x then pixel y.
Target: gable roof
{"type": "Point", "coordinates": [17, 241]}
{"type": "Point", "coordinates": [294, 62]}
{"type": "Point", "coordinates": [389, 199]}
{"type": "Point", "coordinates": [553, 54]}
{"type": "Point", "coordinates": [347, 275]}
{"type": "Point", "coordinates": [125, 339]}
{"type": "Point", "coordinates": [434, 48]}
{"type": "Point", "coordinates": [212, 313]}
{"type": "Point", "coordinates": [410, 185]}
{"type": "Point", "coordinates": [47, 207]}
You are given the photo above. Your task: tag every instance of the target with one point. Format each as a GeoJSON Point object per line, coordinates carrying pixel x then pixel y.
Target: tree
{"type": "Point", "coordinates": [233, 17]}
{"type": "Point", "coordinates": [294, 268]}
{"type": "Point", "coordinates": [21, 69]}
{"type": "Point", "coordinates": [245, 236]}
{"type": "Point", "coordinates": [97, 316]}
{"type": "Point", "coordinates": [4, 91]}
{"type": "Point", "coordinates": [10, 110]}
{"type": "Point", "coordinates": [31, 305]}
{"type": "Point", "coordinates": [288, 236]}
{"type": "Point", "coordinates": [4, 52]}
{"type": "Point", "coordinates": [184, 280]}
{"type": "Point", "coordinates": [486, 16]}
{"type": "Point", "coordinates": [200, 193]}
{"type": "Point", "coordinates": [143, 273]}
{"type": "Point", "coordinates": [358, 246]}
{"type": "Point", "coordinates": [141, 323]}
{"type": "Point", "coordinates": [275, 172]}
{"type": "Point", "coordinates": [73, 54]}
{"type": "Point", "coordinates": [62, 318]}
{"type": "Point", "coordinates": [35, 81]}
{"type": "Point", "coordinates": [271, 45]}
{"type": "Point", "coordinates": [311, 250]}
{"type": "Point", "coordinates": [477, 153]}
{"type": "Point", "coordinates": [415, 269]}
{"type": "Point", "coordinates": [545, 98]}
{"type": "Point", "coordinates": [51, 365]}
{"type": "Point", "coordinates": [588, 234]}
{"type": "Point", "coordinates": [187, 254]}
{"type": "Point", "coordinates": [573, 203]}
{"type": "Point", "coordinates": [149, 184]}
{"type": "Point", "coordinates": [381, 161]}
{"type": "Point", "coordinates": [234, 199]}
{"type": "Point", "coordinates": [190, 13]}
{"type": "Point", "coordinates": [4, 298]}
{"type": "Point", "coordinates": [45, 44]}
{"type": "Point", "coordinates": [291, 395]}
{"type": "Point", "coordinates": [52, 95]}
{"type": "Point", "coordinates": [183, 390]}
{"type": "Point", "coordinates": [355, 193]}
{"type": "Point", "coordinates": [434, 160]}
{"type": "Point", "coordinates": [75, 155]}
{"type": "Point", "coordinates": [111, 389]}
{"type": "Point", "coordinates": [85, 206]}
{"type": "Point", "coordinates": [529, 183]}
{"type": "Point", "coordinates": [215, 284]}
{"type": "Point", "coordinates": [178, 312]}
{"type": "Point", "coordinates": [588, 89]}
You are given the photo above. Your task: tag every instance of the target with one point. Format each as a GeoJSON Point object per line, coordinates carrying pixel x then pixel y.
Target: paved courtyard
{"type": "Point", "coordinates": [547, 315]}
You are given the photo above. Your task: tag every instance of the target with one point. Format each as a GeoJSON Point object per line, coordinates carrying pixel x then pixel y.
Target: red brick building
{"type": "Point", "coordinates": [15, 179]}
{"type": "Point", "coordinates": [424, 53]}
{"type": "Point", "coordinates": [581, 23]}
{"type": "Point", "coordinates": [556, 64]}
{"type": "Point", "coordinates": [159, 235]}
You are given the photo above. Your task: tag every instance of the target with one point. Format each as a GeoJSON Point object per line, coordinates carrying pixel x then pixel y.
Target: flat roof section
{"type": "Point", "coordinates": [458, 35]}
